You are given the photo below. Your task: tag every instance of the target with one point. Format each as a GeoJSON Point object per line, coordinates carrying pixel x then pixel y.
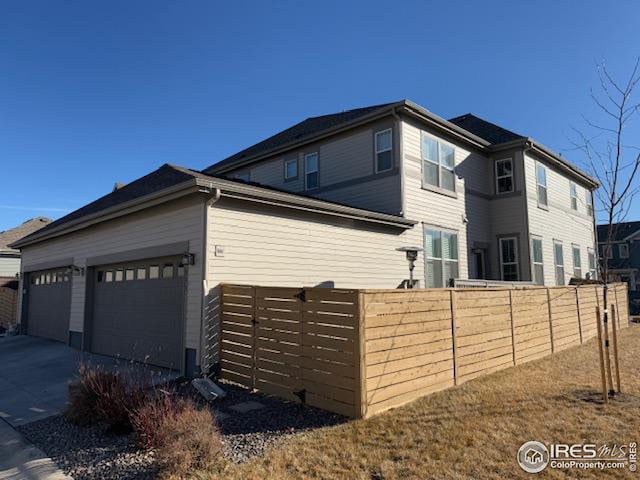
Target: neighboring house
{"type": "Point", "coordinates": [624, 257]}
{"type": "Point", "coordinates": [10, 257]}
{"type": "Point", "coordinates": [326, 202]}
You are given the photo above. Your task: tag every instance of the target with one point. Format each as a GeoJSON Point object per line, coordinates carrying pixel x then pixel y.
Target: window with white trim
{"type": "Point", "coordinates": [591, 255]}
{"type": "Point", "coordinates": [608, 254]}
{"type": "Point", "coordinates": [504, 176]}
{"type": "Point", "coordinates": [311, 171]}
{"type": "Point", "coordinates": [438, 163]}
{"type": "Point", "coordinates": [441, 254]}
{"type": "Point", "coordinates": [573, 192]}
{"type": "Point", "coordinates": [558, 260]}
{"type": "Point", "coordinates": [537, 261]}
{"type": "Point", "coordinates": [577, 261]}
{"type": "Point", "coordinates": [384, 150]}
{"type": "Point", "coordinates": [509, 259]}
{"type": "Point", "coordinates": [589, 201]}
{"type": "Point", "coordinates": [541, 180]}
{"type": "Point", "coordinates": [623, 250]}
{"type": "Point", "coordinates": [291, 169]}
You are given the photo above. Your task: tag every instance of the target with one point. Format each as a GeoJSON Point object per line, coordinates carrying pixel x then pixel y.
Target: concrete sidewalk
{"type": "Point", "coordinates": [19, 460]}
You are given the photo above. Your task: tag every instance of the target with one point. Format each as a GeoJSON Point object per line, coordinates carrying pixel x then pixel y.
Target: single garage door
{"type": "Point", "coordinates": [138, 311]}
{"type": "Point", "coordinates": [49, 304]}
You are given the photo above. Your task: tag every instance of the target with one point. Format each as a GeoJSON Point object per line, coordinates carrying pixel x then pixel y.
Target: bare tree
{"type": "Point", "coordinates": [610, 158]}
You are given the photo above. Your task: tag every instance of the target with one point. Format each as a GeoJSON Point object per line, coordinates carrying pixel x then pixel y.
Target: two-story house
{"type": "Point", "coordinates": [623, 258]}
{"type": "Point", "coordinates": [327, 202]}
{"type": "Point", "coordinates": [491, 204]}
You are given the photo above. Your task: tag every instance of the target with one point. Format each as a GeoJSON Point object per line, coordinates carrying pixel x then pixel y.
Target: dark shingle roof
{"type": "Point", "coordinates": [307, 128]}
{"type": "Point", "coordinates": [7, 237]}
{"type": "Point", "coordinates": [491, 132]}
{"type": "Point", "coordinates": [164, 177]}
{"type": "Point", "coordinates": [620, 231]}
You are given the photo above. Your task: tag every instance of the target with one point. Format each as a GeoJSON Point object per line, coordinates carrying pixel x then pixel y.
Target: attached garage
{"type": "Point", "coordinates": [138, 311]}
{"type": "Point", "coordinates": [49, 301]}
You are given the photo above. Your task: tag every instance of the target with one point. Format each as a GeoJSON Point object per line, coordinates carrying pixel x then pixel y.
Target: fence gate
{"type": "Point", "coordinates": [297, 344]}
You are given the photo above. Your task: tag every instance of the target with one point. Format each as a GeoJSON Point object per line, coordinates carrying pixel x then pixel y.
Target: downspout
{"type": "Point", "coordinates": [400, 131]}
{"type": "Point", "coordinates": [527, 147]}
{"type": "Point", "coordinates": [215, 196]}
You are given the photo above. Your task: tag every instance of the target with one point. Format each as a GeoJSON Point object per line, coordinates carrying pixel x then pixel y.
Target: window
{"type": "Point", "coordinates": [504, 176]}
{"type": "Point", "coordinates": [438, 163]}
{"type": "Point", "coordinates": [608, 254]}
{"type": "Point", "coordinates": [592, 263]}
{"type": "Point", "coordinates": [384, 154]}
{"type": "Point", "coordinates": [108, 276]}
{"type": "Point", "coordinates": [589, 201]}
{"type": "Point", "coordinates": [291, 169]}
{"type": "Point", "coordinates": [167, 271]}
{"type": "Point", "coordinates": [623, 250]}
{"type": "Point", "coordinates": [154, 272]}
{"type": "Point", "coordinates": [573, 189]}
{"type": "Point", "coordinates": [129, 274]}
{"type": "Point", "coordinates": [541, 179]}
{"type": "Point", "coordinates": [141, 273]}
{"type": "Point", "coordinates": [119, 275]}
{"type": "Point", "coordinates": [441, 250]}
{"type": "Point", "coordinates": [509, 259]}
{"type": "Point", "coordinates": [577, 262]}
{"type": "Point", "coordinates": [180, 270]}
{"type": "Point", "coordinates": [311, 175]}
{"type": "Point", "coordinates": [538, 263]}
{"type": "Point", "coordinates": [245, 177]}
{"type": "Point", "coordinates": [558, 258]}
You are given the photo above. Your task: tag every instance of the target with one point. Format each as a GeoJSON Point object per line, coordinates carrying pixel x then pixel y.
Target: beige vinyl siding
{"type": "Point", "coordinates": [272, 246]}
{"type": "Point", "coordinates": [439, 210]}
{"type": "Point", "coordinates": [347, 157]}
{"type": "Point", "coordinates": [181, 220]}
{"type": "Point", "coordinates": [559, 221]}
{"type": "Point", "coordinates": [9, 266]}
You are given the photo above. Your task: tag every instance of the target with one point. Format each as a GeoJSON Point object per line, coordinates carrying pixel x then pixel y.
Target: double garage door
{"type": "Point", "coordinates": [137, 309]}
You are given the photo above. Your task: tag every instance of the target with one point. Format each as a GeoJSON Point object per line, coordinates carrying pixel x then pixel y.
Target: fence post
{"type": "Point", "coordinates": [578, 311]}
{"type": "Point", "coordinates": [361, 356]}
{"type": "Point", "coordinates": [553, 348]}
{"type": "Point", "coordinates": [513, 331]}
{"type": "Point", "coordinates": [453, 336]}
{"type": "Point", "coordinates": [614, 322]}
{"type": "Point", "coordinates": [254, 335]}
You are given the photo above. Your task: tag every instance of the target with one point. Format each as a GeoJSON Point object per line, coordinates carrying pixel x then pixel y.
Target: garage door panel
{"type": "Point", "coordinates": [49, 302]}
{"type": "Point", "coordinates": [140, 318]}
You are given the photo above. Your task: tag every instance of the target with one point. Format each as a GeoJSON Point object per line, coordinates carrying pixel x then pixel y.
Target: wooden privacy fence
{"type": "Point", "coordinates": [360, 352]}
{"type": "Point", "coordinates": [8, 305]}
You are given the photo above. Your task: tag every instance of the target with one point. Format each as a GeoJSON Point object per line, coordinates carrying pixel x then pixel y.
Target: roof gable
{"type": "Point", "coordinates": [620, 231]}
{"type": "Point", "coordinates": [32, 225]}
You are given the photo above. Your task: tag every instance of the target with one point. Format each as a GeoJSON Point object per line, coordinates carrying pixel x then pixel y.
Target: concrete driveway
{"type": "Point", "coordinates": [35, 373]}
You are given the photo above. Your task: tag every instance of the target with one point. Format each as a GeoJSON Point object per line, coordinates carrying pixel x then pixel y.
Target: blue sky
{"type": "Point", "coordinates": [97, 92]}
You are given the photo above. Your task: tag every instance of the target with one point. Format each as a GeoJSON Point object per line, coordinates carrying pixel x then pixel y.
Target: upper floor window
{"type": "Point", "coordinates": [245, 176]}
{"type": "Point", "coordinates": [384, 153]}
{"type": "Point", "coordinates": [577, 262]}
{"type": "Point", "coordinates": [558, 258]}
{"type": "Point", "coordinates": [538, 264]}
{"type": "Point", "coordinates": [504, 176]}
{"type": "Point", "coordinates": [607, 253]}
{"type": "Point", "coordinates": [441, 253]}
{"type": "Point", "coordinates": [541, 179]}
{"type": "Point", "coordinates": [291, 169]}
{"type": "Point", "coordinates": [574, 196]}
{"type": "Point", "coordinates": [592, 263]}
{"type": "Point", "coordinates": [311, 171]}
{"type": "Point", "coordinates": [509, 259]}
{"type": "Point", "coordinates": [623, 250]}
{"type": "Point", "coordinates": [438, 163]}
{"type": "Point", "coordinates": [589, 202]}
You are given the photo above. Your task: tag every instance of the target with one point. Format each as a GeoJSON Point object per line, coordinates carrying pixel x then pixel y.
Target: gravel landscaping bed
{"type": "Point", "coordinates": [90, 453]}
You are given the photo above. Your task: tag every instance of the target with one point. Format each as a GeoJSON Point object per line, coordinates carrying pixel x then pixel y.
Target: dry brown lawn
{"type": "Point", "coordinates": [473, 430]}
